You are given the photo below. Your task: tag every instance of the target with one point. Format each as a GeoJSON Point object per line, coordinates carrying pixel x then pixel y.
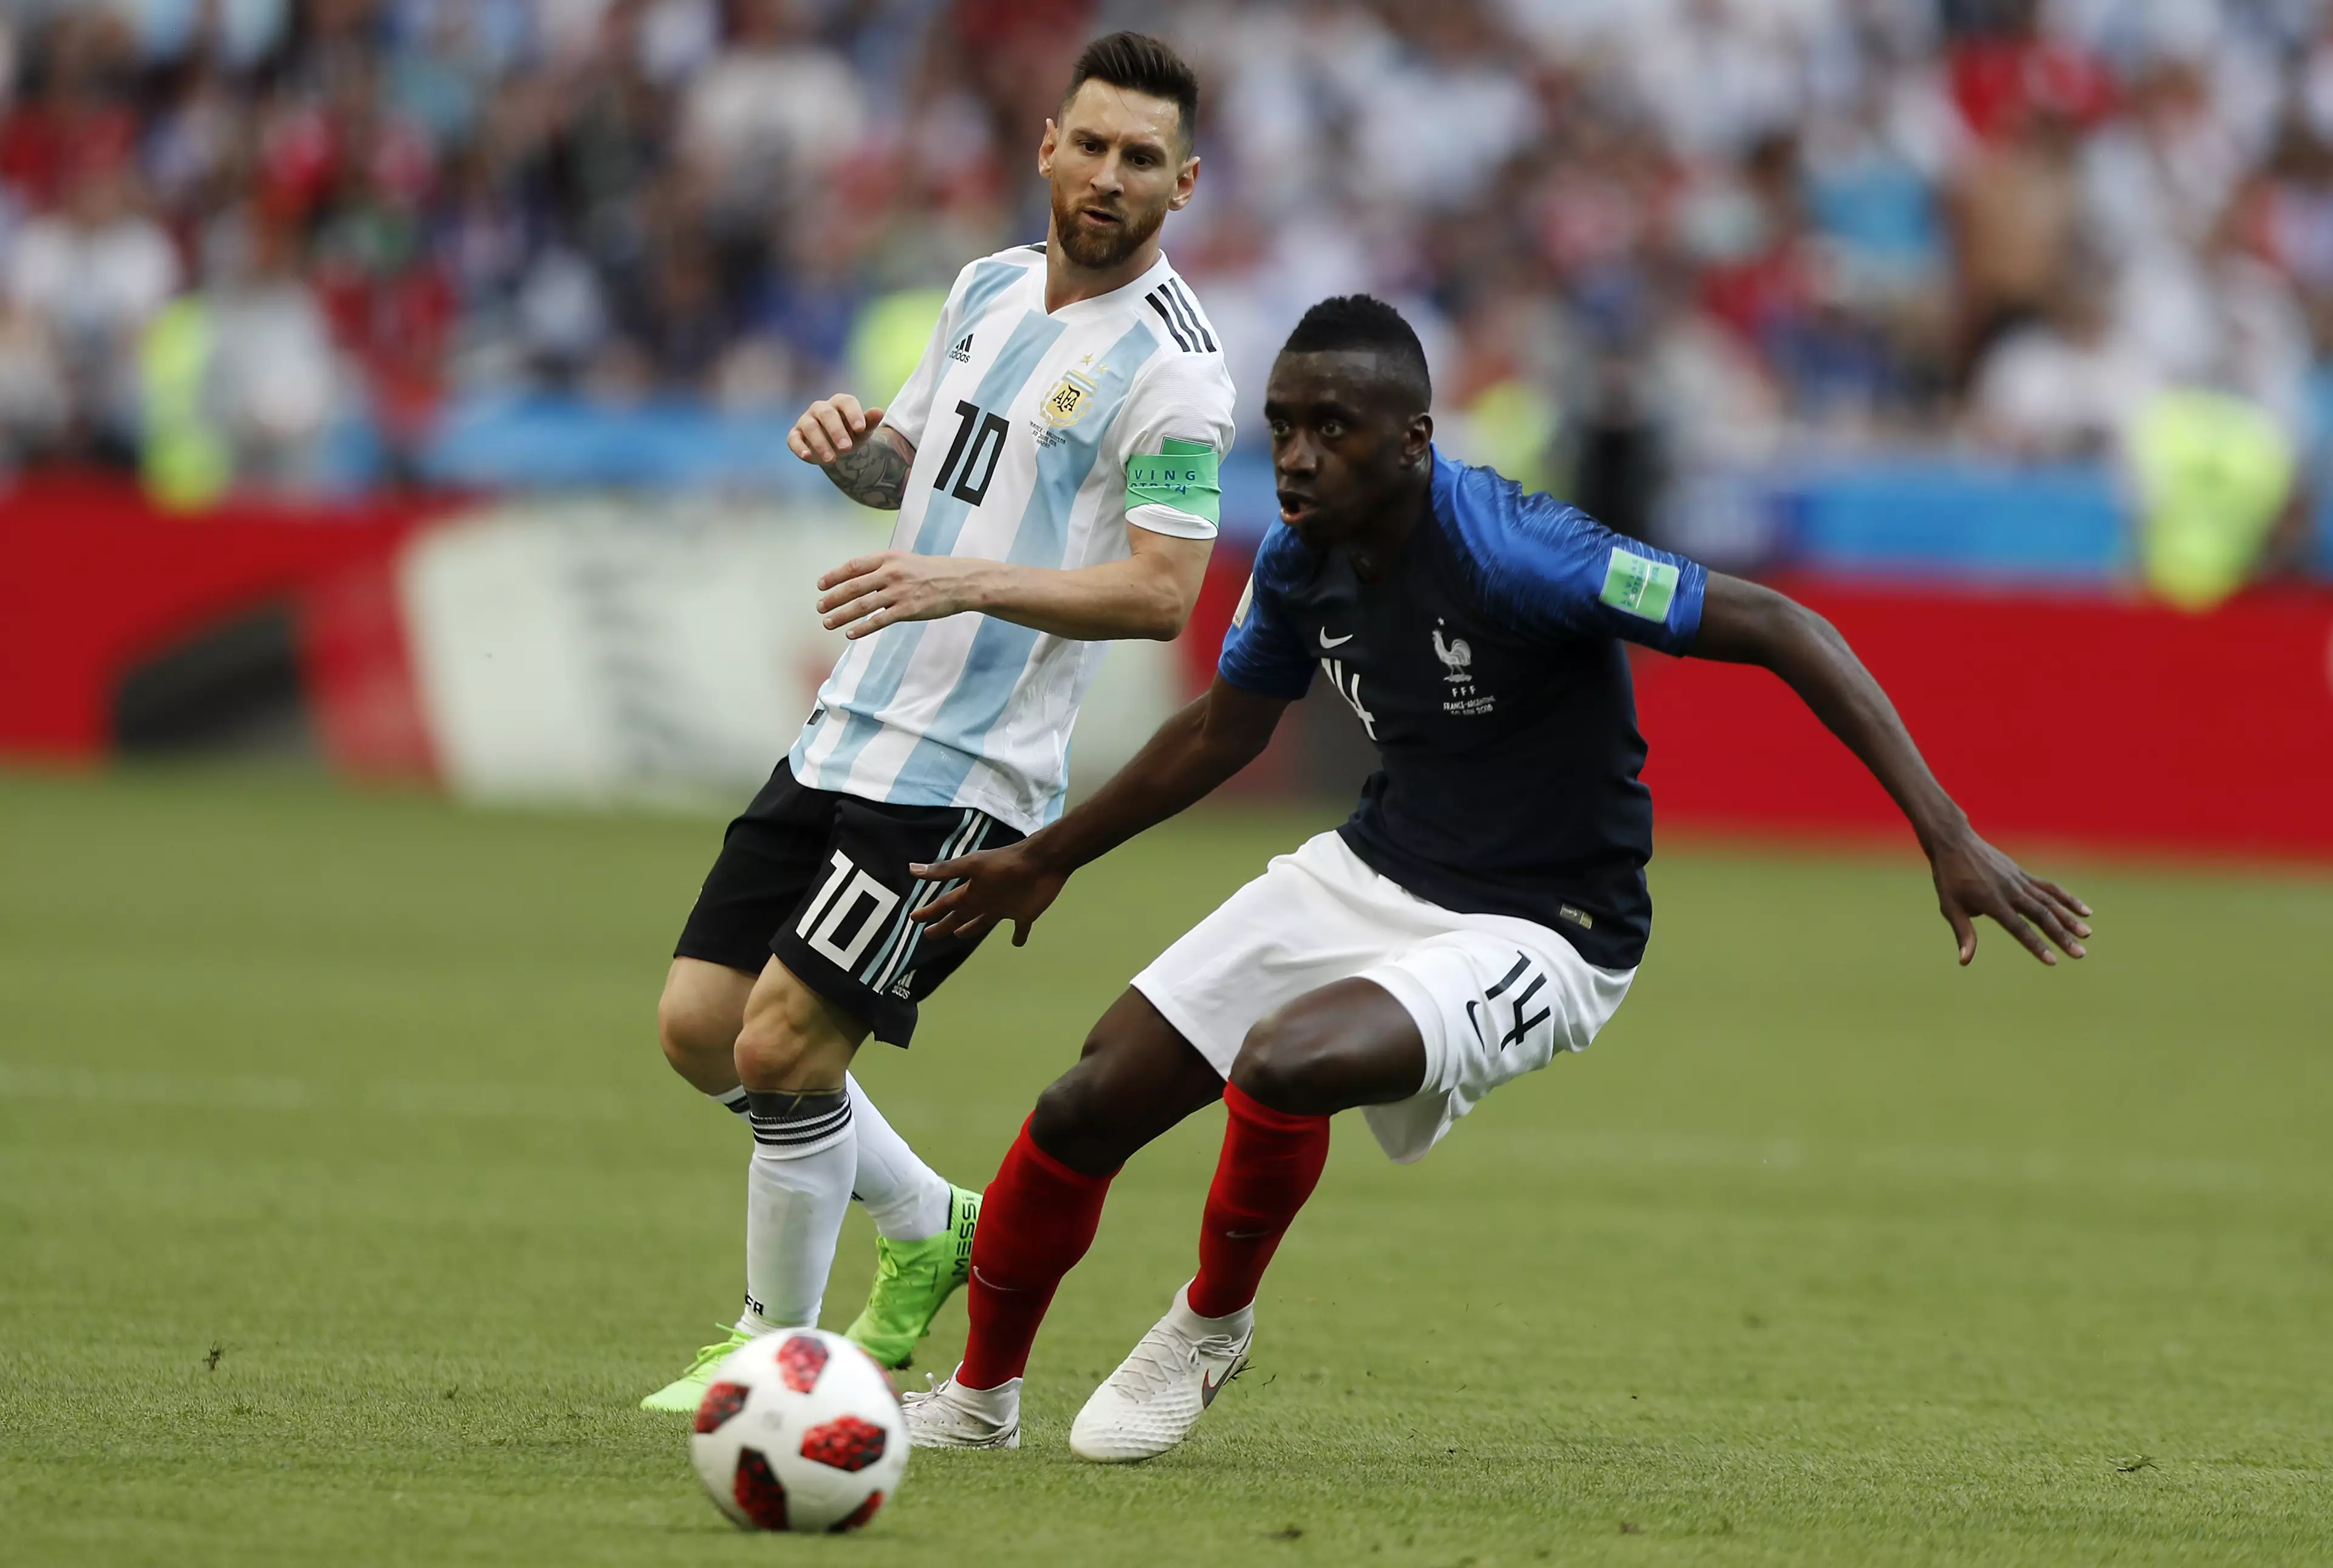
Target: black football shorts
{"type": "Point", "coordinates": [820, 879]}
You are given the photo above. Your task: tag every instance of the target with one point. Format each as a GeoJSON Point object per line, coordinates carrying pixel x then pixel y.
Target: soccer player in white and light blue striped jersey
{"type": "Point", "coordinates": [1053, 461]}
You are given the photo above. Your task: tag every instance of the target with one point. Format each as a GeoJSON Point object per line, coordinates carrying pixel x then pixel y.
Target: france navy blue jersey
{"type": "Point", "coordinates": [1487, 669]}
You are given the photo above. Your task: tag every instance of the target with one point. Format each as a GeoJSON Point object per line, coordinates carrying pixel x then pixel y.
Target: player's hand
{"type": "Point", "coordinates": [829, 427]}
{"type": "Point", "coordinates": [1975, 879]}
{"type": "Point", "coordinates": [1013, 883]}
{"type": "Point", "coordinates": [868, 593]}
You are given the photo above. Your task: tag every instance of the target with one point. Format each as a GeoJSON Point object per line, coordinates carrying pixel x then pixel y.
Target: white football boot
{"type": "Point", "coordinates": [947, 1415]}
{"type": "Point", "coordinates": [1157, 1393]}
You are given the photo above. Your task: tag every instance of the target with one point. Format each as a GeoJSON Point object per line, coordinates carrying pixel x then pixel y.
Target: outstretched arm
{"type": "Point", "coordinates": [1192, 752]}
{"type": "Point", "coordinates": [1743, 624]}
{"type": "Point", "coordinates": [1149, 594]}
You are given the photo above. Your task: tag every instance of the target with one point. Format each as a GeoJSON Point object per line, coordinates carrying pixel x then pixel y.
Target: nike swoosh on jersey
{"type": "Point", "coordinates": [1329, 641]}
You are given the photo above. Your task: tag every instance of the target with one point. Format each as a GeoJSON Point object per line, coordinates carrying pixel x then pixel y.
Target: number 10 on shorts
{"type": "Point", "coordinates": [836, 903]}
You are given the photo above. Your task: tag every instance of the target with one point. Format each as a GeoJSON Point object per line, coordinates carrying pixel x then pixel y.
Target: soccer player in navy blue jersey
{"type": "Point", "coordinates": [1483, 909]}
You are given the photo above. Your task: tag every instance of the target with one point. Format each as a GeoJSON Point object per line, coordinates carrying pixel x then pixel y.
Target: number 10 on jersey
{"type": "Point", "coordinates": [979, 443]}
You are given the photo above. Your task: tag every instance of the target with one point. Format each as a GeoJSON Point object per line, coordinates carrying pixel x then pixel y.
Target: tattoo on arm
{"type": "Point", "coordinates": [874, 473]}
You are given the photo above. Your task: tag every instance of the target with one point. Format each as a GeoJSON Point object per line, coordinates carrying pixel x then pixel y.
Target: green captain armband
{"type": "Point", "coordinates": [1182, 476]}
{"type": "Point", "coordinates": [1638, 585]}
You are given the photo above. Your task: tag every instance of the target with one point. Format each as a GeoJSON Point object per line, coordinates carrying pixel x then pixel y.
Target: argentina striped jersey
{"type": "Point", "coordinates": [1025, 426]}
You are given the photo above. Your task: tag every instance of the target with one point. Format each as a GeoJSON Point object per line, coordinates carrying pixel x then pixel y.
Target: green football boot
{"type": "Point", "coordinates": [681, 1395]}
{"type": "Point", "coordinates": [913, 1279]}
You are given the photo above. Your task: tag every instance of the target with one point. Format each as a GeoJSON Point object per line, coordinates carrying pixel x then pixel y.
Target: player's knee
{"type": "Point", "coordinates": [1080, 1120]}
{"type": "Point", "coordinates": [1279, 1064]}
{"type": "Point", "coordinates": [772, 1049]}
{"type": "Point", "coordinates": [792, 1039]}
{"type": "Point", "coordinates": [1067, 1115]}
{"type": "Point", "coordinates": [697, 1038]}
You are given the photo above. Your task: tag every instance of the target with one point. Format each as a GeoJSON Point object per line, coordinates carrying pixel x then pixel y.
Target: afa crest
{"type": "Point", "coordinates": [1070, 400]}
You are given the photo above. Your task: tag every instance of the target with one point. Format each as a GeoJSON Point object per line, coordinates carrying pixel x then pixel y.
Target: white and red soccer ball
{"type": "Point", "coordinates": [801, 1430]}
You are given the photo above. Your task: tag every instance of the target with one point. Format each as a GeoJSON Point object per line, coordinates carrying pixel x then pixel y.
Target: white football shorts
{"type": "Point", "coordinates": [1494, 997]}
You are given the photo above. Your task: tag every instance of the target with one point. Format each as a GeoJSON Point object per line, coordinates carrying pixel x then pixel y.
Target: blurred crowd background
{"type": "Point", "coordinates": [322, 244]}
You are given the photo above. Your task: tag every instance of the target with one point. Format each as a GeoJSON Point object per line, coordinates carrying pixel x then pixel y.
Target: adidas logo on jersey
{"type": "Point", "coordinates": [961, 352]}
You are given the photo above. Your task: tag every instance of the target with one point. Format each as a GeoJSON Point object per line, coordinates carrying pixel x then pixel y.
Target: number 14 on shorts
{"type": "Point", "coordinates": [1519, 985]}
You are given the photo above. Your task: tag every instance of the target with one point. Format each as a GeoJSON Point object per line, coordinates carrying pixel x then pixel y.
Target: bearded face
{"type": "Point", "coordinates": [1116, 166]}
{"type": "Point", "coordinates": [1098, 235]}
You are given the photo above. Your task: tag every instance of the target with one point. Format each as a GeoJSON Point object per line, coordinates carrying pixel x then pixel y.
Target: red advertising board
{"type": "Point", "coordinates": [2092, 719]}
{"type": "Point", "coordinates": [93, 578]}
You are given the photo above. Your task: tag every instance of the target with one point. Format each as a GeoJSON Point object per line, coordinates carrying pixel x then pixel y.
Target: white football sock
{"type": "Point", "coordinates": [735, 1099]}
{"type": "Point", "coordinates": [796, 1191]}
{"type": "Point", "coordinates": [999, 1404]}
{"type": "Point", "coordinates": [1231, 1325]}
{"type": "Point", "coordinates": [906, 1199]}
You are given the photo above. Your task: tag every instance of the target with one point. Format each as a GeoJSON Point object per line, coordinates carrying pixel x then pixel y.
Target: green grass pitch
{"type": "Point", "coordinates": [346, 1209]}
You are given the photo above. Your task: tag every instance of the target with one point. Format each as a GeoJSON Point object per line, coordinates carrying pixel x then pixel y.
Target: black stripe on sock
{"type": "Point", "coordinates": [800, 1129]}
{"type": "Point", "coordinates": [783, 1119]}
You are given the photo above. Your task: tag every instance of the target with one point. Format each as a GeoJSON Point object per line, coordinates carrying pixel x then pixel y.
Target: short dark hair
{"type": "Point", "coordinates": [1140, 63]}
{"type": "Point", "coordinates": [1362, 324]}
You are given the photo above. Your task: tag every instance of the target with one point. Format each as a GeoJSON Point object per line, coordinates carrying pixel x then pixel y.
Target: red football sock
{"type": "Point", "coordinates": [1271, 1163]}
{"type": "Point", "coordinates": [1036, 1221]}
